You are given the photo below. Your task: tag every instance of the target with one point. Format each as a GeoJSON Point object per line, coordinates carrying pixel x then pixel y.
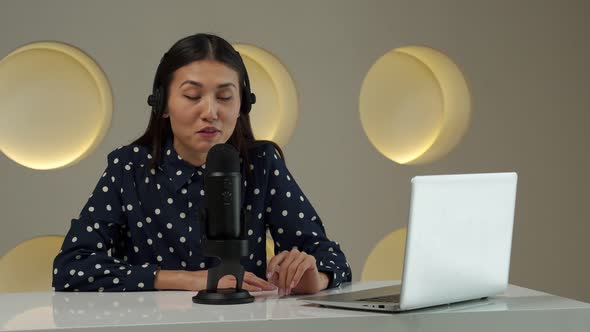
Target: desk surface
{"type": "Point", "coordinates": [517, 309]}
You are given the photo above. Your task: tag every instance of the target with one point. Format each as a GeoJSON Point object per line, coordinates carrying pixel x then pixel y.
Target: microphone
{"type": "Point", "coordinates": [223, 225]}
{"type": "Point", "coordinates": [223, 193]}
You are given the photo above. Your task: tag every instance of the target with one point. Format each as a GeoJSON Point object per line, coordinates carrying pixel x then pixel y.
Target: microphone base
{"type": "Point", "coordinates": [223, 296]}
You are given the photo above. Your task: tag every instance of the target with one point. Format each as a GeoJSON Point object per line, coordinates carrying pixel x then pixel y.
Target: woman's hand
{"type": "Point", "coordinates": [296, 271]}
{"type": "Point", "coordinates": [197, 280]}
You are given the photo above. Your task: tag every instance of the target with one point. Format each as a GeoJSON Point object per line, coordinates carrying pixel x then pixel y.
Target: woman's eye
{"type": "Point", "coordinates": [193, 98]}
{"type": "Point", "coordinates": [226, 98]}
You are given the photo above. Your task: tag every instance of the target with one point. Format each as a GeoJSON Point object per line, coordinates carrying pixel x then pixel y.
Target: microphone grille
{"type": "Point", "coordinates": [223, 158]}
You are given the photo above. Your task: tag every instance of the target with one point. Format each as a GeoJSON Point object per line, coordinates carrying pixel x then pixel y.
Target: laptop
{"type": "Point", "coordinates": [457, 246]}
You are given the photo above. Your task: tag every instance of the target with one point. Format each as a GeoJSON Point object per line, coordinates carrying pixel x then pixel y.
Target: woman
{"type": "Point", "coordinates": [139, 231]}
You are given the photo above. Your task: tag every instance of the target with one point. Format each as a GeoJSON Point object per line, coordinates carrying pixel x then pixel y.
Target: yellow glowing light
{"type": "Point", "coordinates": [274, 116]}
{"type": "Point", "coordinates": [386, 260]}
{"type": "Point", "coordinates": [56, 105]}
{"type": "Point", "coordinates": [414, 105]}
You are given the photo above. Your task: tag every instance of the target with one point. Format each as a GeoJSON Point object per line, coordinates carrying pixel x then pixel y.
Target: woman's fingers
{"type": "Point", "coordinates": [292, 270]}
{"type": "Point", "coordinates": [273, 265]}
{"type": "Point", "coordinates": [284, 269]}
{"type": "Point", "coordinates": [252, 279]}
{"type": "Point", "coordinates": [229, 281]}
{"type": "Point", "coordinates": [307, 265]}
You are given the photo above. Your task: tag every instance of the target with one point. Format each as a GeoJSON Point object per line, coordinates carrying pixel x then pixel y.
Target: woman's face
{"type": "Point", "coordinates": [203, 106]}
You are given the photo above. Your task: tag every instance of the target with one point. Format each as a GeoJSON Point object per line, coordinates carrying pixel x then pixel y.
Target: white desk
{"type": "Point", "coordinates": [519, 309]}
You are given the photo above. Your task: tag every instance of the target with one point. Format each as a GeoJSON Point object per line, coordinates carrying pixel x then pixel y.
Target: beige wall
{"type": "Point", "coordinates": [526, 63]}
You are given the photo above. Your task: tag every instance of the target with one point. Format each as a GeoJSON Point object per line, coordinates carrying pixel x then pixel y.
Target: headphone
{"type": "Point", "coordinates": [157, 100]}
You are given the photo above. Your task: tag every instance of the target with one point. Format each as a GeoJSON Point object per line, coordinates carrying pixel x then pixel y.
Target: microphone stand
{"type": "Point", "coordinates": [229, 252]}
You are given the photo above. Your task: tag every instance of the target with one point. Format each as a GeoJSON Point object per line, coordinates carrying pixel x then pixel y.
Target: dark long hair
{"type": "Point", "coordinates": [185, 51]}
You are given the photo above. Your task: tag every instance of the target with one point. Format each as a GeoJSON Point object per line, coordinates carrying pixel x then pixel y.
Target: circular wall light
{"type": "Point", "coordinates": [56, 105]}
{"type": "Point", "coordinates": [274, 115]}
{"type": "Point", "coordinates": [414, 105]}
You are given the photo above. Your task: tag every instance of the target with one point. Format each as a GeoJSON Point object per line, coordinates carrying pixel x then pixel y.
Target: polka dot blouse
{"type": "Point", "coordinates": [140, 219]}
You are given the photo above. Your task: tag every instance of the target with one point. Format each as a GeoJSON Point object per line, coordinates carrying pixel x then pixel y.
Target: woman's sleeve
{"type": "Point", "coordinates": [293, 222]}
{"type": "Point", "coordinates": [84, 262]}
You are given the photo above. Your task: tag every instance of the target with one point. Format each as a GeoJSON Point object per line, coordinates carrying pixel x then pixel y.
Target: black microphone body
{"type": "Point", "coordinates": [223, 193]}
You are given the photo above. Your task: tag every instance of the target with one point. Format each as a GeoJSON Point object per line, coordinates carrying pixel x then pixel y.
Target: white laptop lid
{"type": "Point", "coordinates": [459, 238]}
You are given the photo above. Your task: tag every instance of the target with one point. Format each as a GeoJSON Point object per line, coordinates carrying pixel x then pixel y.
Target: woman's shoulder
{"type": "Point", "coordinates": [130, 154]}
{"type": "Point", "coordinates": [263, 150]}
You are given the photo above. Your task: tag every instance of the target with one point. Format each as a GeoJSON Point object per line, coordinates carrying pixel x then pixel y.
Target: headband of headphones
{"type": "Point", "coordinates": [157, 100]}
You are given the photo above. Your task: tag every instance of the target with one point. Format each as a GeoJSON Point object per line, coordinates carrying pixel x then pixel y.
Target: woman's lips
{"type": "Point", "coordinates": [208, 132]}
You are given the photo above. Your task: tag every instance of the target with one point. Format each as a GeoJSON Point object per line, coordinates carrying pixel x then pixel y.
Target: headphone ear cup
{"type": "Point", "coordinates": [156, 101]}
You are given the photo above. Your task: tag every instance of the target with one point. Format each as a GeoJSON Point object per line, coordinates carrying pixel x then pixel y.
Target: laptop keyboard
{"type": "Point", "coordinates": [387, 298]}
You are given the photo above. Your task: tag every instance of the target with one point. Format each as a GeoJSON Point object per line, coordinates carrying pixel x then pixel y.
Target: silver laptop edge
{"type": "Point", "coordinates": [458, 244]}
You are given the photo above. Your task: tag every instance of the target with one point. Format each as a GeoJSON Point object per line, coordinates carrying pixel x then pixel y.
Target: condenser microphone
{"type": "Point", "coordinates": [223, 193]}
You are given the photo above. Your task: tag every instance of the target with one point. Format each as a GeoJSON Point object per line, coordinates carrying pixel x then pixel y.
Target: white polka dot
{"type": "Point", "coordinates": [183, 263]}
{"type": "Point", "coordinates": [190, 229]}
{"type": "Point", "coordinates": [171, 250]}
{"type": "Point", "coordinates": [301, 198]}
{"type": "Point", "coordinates": [202, 265]}
{"type": "Point", "coordinates": [99, 245]}
{"type": "Point", "coordinates": [313, 218]}
{"type": "Point", "coordinates": [97, 266]}
{"type": "Point", "coordinates": [272, 191]}
{"type": "Point", "coordinates": [105, 189]}
{"type": "Point", "coordinates": [153, 171]}
{"type": "Point", "coordinates": [157, 211]}
{"type": "Point", "coordinates": [259, 262]}
{"type": "Point", "coordinates": [150, 241]}
{"type": "Point", "coordinates": [66, 285]}
{"type": "Point", "coordinates": [169, 225]}
{"type": "Point", "coordinates": [91, 208]}
{"type": "Point", "coordinates": [109, 208]}
{"type": "Point", "coordinates": [280, 231]}
{"type": "Point", "coordinates": [112, 179]}
{"type": "Point", "coordinates": [288, 194]}
{"type": "Point", "coordinates": [127, 167]}
{"type": "Point", "coordinates": [170, 201]}
{"type": "Point", "coordinates": [55, 271]}
{"type": "Point", "coordinates": [259, 239]}
{"type": "Point", "coordinates": [159, 235]}
{"type": "Point", "coordinates": [251, 167]}
{"type": "Point", "coordinates": [139, 224]}
{"type": "Point", "coordinates": [89, 229]}
{"type": "Point", "coordinates": [129, 207]}
{"type": "Point", "coordinates": [268, 209]}
{"type": "Point", "coordinates": [147, 180]}
{"type": "Point", "coordinates": [288, 178]}
{"type": "Point", "coordinates": [72, 272]}
{"type": "Point", "coordinates": [314, 233]}
{"type": "Point", "coordinates": [248, 207]}
{"type": "Point", "coordinates": [148, 220]}
{"type": "Point", "coordinates": [74, 239]}
{"type": "Point", "coordinates": [159, 258]}
{"type": "Point", "coordinates": [298, 233]}
{"type": "Point", "coordinates": [107, 272]}
{"type": "Point", "coordinates": [276, 172]}
{"type": "Point", "coordinates": [158, 186]}
{"type": "Point", "coordinates": [285, 213]}
{"type": "Point", "coordinates": [301, 215]}
{"type": "Point", "coordinates": [260, 216]}
{"type": "Point", "coordinates": [182, 215]}
{"type": "Point", "coordinates": [256, 191]}
{"type": "Point", "coordinates": [202, 192]}
{"type": "Point", "coordinates": [250, 232]}
{"type": "Point", "coordinates": [80, 273]}
{"type": "Point", "coordinates": [168, 152]}
{"type": "Point", "coordinates": [136, 149]}
{"type": "Point", "coordinates": [116, 160]}
{"type": "Point", "coordinates": [136, 249]}
{"type": "Point", "coordinates": [116, 281]}
{"type": "Point", "coordinates": [183, 190]}
{"type": "Point", "coordinates": [182, 239]}
{"type": "Point", "coordinates": [190, 204]}
{"type": "Point", "coordinates": [179, 172]}
{"type": "Point", "coordinates": [90, 279]}
{"type": "Point", "coordinates": [140, 285]}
